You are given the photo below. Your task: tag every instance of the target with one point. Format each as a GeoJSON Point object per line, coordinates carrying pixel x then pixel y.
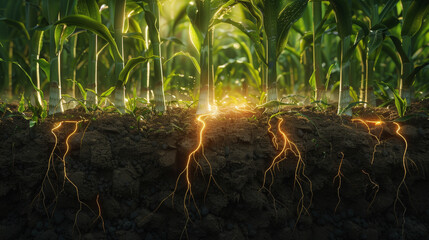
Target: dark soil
{"type": "Point", "coordinates": [132, 166]}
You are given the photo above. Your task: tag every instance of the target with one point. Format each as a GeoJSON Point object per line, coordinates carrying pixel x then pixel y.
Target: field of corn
{"type": "Point", "coordinates": [214, 119]}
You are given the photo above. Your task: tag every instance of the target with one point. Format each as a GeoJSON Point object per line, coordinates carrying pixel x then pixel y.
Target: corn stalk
{"type": "Point", "coordinates": [317, 50]}
{"type": "Point", "coordinates": [90, 8]}
{"type": "Point", "coordinates": [414, 14]}
{"type": "Point", "coordinates": [343, 16]}
{"type": "Point", "coordinates": [152, 20]}
{"type": "Point", "coordinates": [119, 13]}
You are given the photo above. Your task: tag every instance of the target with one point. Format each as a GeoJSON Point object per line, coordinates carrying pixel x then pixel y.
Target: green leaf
{"type": "Point", "coordinates": [375, 40]}
{"type": "Point", "coordinates": [415, 17]}
{"type": "Point", "coordinates": [186, 54]}
{"type": "Point", "coordinates": [107, 93]}
{"type": "Point", "coordinates": [251, 30]}
{"type": "Point", "coordinates": [45, 66]}
{"type": "Point", "coordinates": [277, 114]}
{"type": "Point", "coordinates": [138, 36]}
{"type": "Point", "coordinates": [400, 50]}
{"type": "Point", "coordinates": [312, 81]}
{"type": "Point", "coordinates": [67, 7]}
{"type": "Point", "coordinates": [416, 70]}
{"type": "Point", "coordinates": [328, 76]}
{"type": "Point", "coordinates": [27, 75]}
{"type": "Point", "coordinates": [133, 62]}
{"type": "Point", "coordinates": [349, 106]}
{"type": "Point", "coordinates": [81, 89]}
{"type": "Point", "coordinates": [151, 21]}
{"type": "Point", "coordinates": [291, 13]}
{"type": "Point", "coordinates": [343, 16]}
{"type": "Point", "coordinates": [18, 25]}
{"type": "Point", "coordinates": [173, 40]}
{"type": "Point", "coordinates": [32, 123]}
{"type": "Point", "coordinates": [400, 103]}
{"type": "Point", "coordinates": [253, 10]}
{"type": "Point", "coordinates": [196, 37]}
{"type": "Point", "coordinates": [353, 94]}
{"type": "Point", "coordinates": [89, 8]}
{"type": "Point", "coordinates": [21, 106]}
{"type": "Point", "coordinates": [387, 8]}
{"type": "Point", "coordinates": [389, 51]}
{"type": "Point", "coordinates": [92, 25]}
{"type": "Point", "coordinates": [51, 9]}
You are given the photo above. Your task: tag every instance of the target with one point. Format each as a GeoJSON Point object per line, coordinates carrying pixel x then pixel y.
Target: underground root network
{"type": "Point", "coordinates": [57, 189]}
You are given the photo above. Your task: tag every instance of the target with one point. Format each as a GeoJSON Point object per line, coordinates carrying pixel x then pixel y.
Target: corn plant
{"type": "Point", "coordinates": [317, 50]}
{"type": "Point", "coordinates": [90, 8]}
{"type": "Point", "coordinates": [53, 11]}
{"type": "Point", "coordinates": [152, 19]}
{"type": "Point", "coordinates": [278, 18]}
{"type": "Point", "coordinates": [118, 7]}
{"type": "Point", "coordinates": [414, 13]}
{"type": "Point", "coordinates": [343, 16]}
{"type": "Point", "coordinates": [200, 13]}
{"type": "Point", "coordinates": [374, 32]}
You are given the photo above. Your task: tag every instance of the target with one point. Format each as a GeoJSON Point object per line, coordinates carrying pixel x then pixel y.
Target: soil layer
{"type": "Point", "coordinates": [124, 168]}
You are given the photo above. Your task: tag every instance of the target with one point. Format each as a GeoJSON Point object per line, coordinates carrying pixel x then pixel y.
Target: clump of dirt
{"type": "Point", "coordinates": [133, 164]}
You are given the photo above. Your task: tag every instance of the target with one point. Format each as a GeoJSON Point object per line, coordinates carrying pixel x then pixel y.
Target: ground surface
{"type": "Point", "coordinates": [132, 166]}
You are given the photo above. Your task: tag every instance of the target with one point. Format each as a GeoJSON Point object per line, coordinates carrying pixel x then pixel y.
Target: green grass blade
{"type": "Point", "coordinates": [92, 25]}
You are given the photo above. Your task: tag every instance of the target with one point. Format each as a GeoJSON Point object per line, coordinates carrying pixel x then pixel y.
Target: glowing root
{"type": "Point", "coordinates": [374, 186]}
{"type": "Point", "coordinates": [244, 110]}
{"type": "Point", "coordinates": [339, 177]}
{"type": "Point", "coordinates": [299, 170]}
{"type": "Point", "coordinates": [373, 135]}
{"type": "Point", "coordinates": [189, 196]}
{"type": "Point", "coordinates": [274, 138]}
{"type": "Point", "coordinates": [404, 166]}
{"type": "Point", "coordinates": [99, 216]}
{"type": "Point", "coordinates": [66, 178]}
{"type": "Point", "coordinates": [46, 177]}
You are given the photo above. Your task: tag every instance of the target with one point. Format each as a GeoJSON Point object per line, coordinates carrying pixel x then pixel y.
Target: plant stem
{"type": "Point", "coordinates": [344, 96]}
{"type": "Point", "coordinates": [158, 73]}
{"type": "Point", "coordinates": [405, 87]}
{"type": "Point", "coordinates": [204, 103]}
{"type": "Point", "coordinates": [317, 51]}
{"type": "Point", "coordinates": [146, 70]}
{"type": "Point", "coordinates": [211, 69]}
{"type": "Point", "coordinates": [204, 20]}
{"type": "Point", "coordinates": [369, 82]}
{"type": "Point", "coordinates": [9, 70]}
{"type": "Point", "coordinates": [270, 25]}
{"type": "Point", "coordinates": [362, 55]}
{"type": "Point", "coordinates": [119, 64]}
{"type": "Point", "coordinates": [73, 44]}
{"type": "Point", "coordinates": [35, 46]}
{"type": "Point", "coordinates": [92, 71]}
{"type": "Point", "coordinates": [55, 102]}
